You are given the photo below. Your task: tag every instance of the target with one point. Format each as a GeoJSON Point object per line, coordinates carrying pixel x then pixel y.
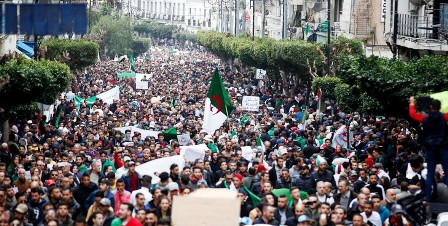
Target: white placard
{"type": "Point", "coordinates": [260, 74]}
{"type": "Point", "coordinates": [141, 81]}
{"type": "Point", "coordinates": [247, 153]}
{"type": "Point", "coordinates": [251, 103]}
{"type": "Point", "coordinates": [184, 139]}
{"type": "Point", "coordinates": [221, 205]}
{"type": "Point", "coordinates": [193, 152]}
{"type": "Point", "coordinates": [159, 166]}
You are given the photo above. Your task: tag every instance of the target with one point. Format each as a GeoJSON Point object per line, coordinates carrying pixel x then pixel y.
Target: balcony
{"type": "Point", "coordinates": [416, 26]}
{"type": "Point", "coordinates": [421, 33]}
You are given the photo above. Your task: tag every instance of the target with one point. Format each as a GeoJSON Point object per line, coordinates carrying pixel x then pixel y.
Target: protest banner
{"type": "Point", "coordinates": [141, 81]}
{"type": "Point", "coordinates": [222, 207]}
{"type": "Point", "coordinates": [159, 166]}
{"type": "Point", "coordinates": [184, 139]}
{"type": "Point", "coordinates": [260, 73]}
{"type": "Point", "coordinates": [193, 152]}
{"type": "Point", "coordinates": [251, 103]}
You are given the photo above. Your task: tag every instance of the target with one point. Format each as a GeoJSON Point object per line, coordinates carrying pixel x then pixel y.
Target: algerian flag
{"type": "Point", "coordinates": [79, 101]}
{"type": "Point", "coordinates": [132, 63]}
{"type": "Point", "coordinates": [56, 124]}
{"type": "Point", "coordinates": [320, 160]}
{"type": "Point", "coordinates": [253, 198]}
{"type": "Point", "coordinates": [244, 119]}
{"type": "Point", "coordinates": [217, 105]}
{"type": "Point", "coordinates": [260, 144]}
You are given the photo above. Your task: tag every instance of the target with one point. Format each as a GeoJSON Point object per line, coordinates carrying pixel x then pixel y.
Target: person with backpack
{"type": "Point", "coordinates": [434, 140]}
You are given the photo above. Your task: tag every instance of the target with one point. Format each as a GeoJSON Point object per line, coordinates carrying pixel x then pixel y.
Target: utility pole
{"type": "Point", "coordinates": [253, 20]}
{"type": "Point", "coordinates": [329, 38]}
{"type": "Point", "coordinates": [263, 20]}
{"type": "Point", "coordinates": [395, 34]}
{"type": "Point", "coordinates": [285, 19]}
{"type": "Point", "coordinates": [237, 18]}
{"type": "Point", "coordinates": [243, 21]}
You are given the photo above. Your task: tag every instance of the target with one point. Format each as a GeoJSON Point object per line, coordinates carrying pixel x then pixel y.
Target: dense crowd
{"type": "Point", "coordinates": [83, 172]}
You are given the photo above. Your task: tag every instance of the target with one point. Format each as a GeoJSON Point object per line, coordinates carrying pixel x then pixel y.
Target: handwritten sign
{"type": "Point", "coordinates": [260, 74]}
{"type": "Point", "coordinates": [184, 139]}
{"type": "Point", "coordinates": [251, 103]}
{"type": "Point", "coordinates": [141, 81]}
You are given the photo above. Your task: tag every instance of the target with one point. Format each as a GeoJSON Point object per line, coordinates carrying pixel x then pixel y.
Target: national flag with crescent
{"type": "Point", "coordinates": [217, 105]}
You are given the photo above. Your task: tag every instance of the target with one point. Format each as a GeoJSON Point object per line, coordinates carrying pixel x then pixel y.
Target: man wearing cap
{"type": "Point", "coordinates": [145, 190]}
{"type": "Point", "coordinates": [322, 174]}
{"type": "Point", "coordinates": [107, 211]}
{"type": "Point", "coordinates": [397, 218]}
{"type": "Point", "coordinates": [123, 169]}
{"type": "Point", "coordinates": [21, 213]}
{"type": "Point", "coordinates": [132, 178]}
{"type": "Point", "coordinates": [303, 220]}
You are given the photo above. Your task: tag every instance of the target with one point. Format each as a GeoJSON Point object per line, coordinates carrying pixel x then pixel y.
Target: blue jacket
{"type": "Point", "coordinates": [127, 181]}
{"type": "Point", "coordinates": [384, 213]}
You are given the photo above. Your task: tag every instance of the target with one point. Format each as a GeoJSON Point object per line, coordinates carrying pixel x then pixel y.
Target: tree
{"type": "Point", "coordinates": [77, 54]}
{"type": "Point", "coordinates": [30, 81]}
{"type": "Point", "coordinates": [115, 35]}
{"type": "Point", "coordinates": [140, 45]}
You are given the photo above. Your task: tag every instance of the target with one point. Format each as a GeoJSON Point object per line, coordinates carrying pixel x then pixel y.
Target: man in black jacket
{"type": "Point", "coordinates": [322, 174]}
{"type": "Point", "coordinates": [83, 191]}
{"type": "Point", "coordinates": [283, 212]}
{"type": "Point", "coordinates": [275, 171]}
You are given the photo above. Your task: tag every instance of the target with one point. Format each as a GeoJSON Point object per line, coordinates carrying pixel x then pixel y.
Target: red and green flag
{"type": "Point", "coordinates": [217, 105]}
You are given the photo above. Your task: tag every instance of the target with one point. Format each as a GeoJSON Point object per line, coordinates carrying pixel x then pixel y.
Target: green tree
{"type": "Point", "coordinates": [140, 45]}
{"type": "Point", "coordinates": [115, 35]}
{"type": "Point", "coordinates": [77, 54]}
{"type": "Point", "coordinates": [30, 81]}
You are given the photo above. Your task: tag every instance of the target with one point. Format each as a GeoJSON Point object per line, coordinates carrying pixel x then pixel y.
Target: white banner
{"type": "Point", "coordinates": [159, 166]}
{"type": "Point", "coordinates": [184, 139]}
{"type": "Point", "coordinates": [110, 95]}
{"type": "Point", "coordinates": [141, 81]}
{"type": "Point", "coordinates": [193, 152]}
{"type": "Point", "coordinates": [260, 74]}
{"type": "Point", "coordinates": [144, 133]}
{"type": "Point", "coordinates": [247, 153]}
{"type": "Point", "coordinates": [251, 103]}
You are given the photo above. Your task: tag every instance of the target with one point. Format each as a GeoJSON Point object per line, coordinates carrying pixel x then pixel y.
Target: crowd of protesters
{"type": "Point", "coordinates": [67, 174]}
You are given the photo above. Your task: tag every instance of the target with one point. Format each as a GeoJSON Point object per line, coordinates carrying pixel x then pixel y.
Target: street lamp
{"type": "Point", "coordinates": [219, 5]}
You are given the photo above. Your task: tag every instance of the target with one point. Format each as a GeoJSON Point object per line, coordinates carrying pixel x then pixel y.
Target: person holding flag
{"type": "Point", "coordinates": [217, 105]}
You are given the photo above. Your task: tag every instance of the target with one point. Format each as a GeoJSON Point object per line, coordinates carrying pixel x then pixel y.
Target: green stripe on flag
{"type": "Point", "coordinates": [244, 119]}
{"type": "Point", "coordinates": [218, 95]}
{"type": "Point", "coordinates": [132, 63]}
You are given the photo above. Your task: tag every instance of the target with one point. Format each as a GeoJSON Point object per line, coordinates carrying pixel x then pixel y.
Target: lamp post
{"type": "Point", "coordinates": [329, 38]}
{"type": "Point", "coordinates": [218, 5]}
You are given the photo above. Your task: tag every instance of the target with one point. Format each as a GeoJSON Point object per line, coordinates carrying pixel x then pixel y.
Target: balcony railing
{"type": "Point", "coordinates": [417, 26]}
